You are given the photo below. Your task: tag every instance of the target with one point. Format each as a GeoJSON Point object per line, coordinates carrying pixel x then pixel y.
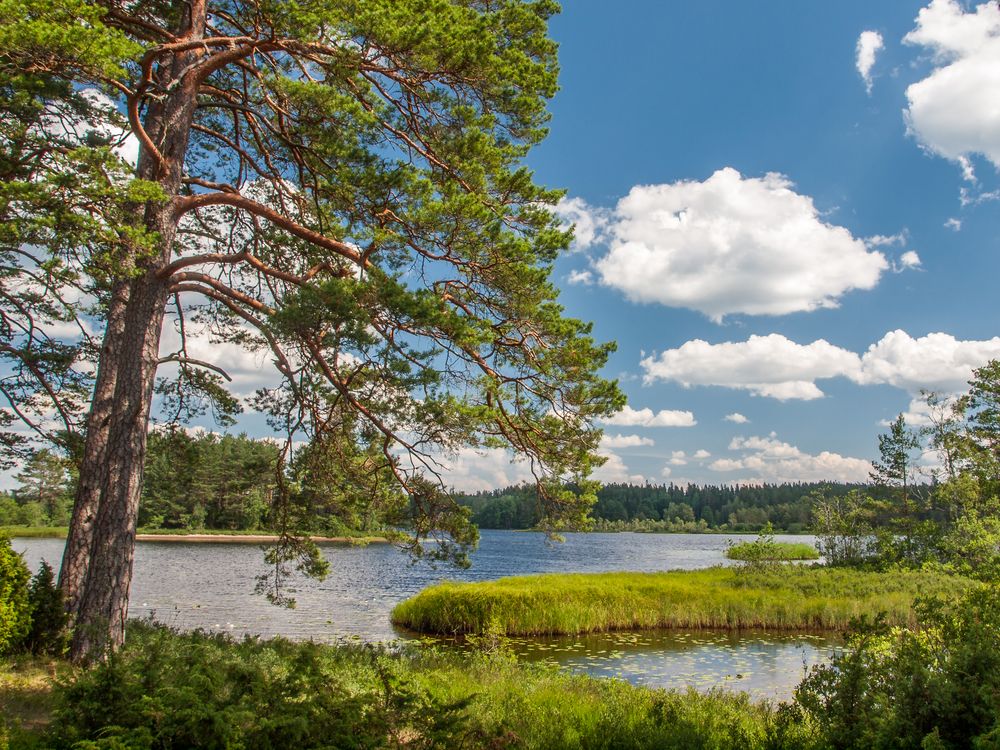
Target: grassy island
{"type": "Point", "coordinates": [799, 598]}
{"type": "Point", "coordinates": [772, 551]}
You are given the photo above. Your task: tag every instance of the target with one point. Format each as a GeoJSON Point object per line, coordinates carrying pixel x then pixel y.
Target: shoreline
{"type": "Point", "coordinates": [254, 539]}
{"type": "Point", "coordinates": [209, 537]}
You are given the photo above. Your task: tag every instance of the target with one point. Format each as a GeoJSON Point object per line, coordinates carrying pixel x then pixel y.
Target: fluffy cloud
{"type": "Point", "coordinates": [680, 458]}
{"type": "Point", "coordinates": [629, 417]}
{"type": "Point", "coordinates": [937, 361]}
{"type": "Point", "coordinates": [767, 459]}
{"type": "Point", "coordinates": [736, 418]}
{"type": "Point", "coordinates": [951, 112]}
{"type": "Point", "coordinates": [733, 244]}
{"type": "Point", "coordinates": [777, 367]}
{"type": "Point", "coordinates": [107, 122]}
{"type": "Point", "coordinates": [249, 370]}
{"type": "Point", "coordinates": [469, 470]}
{"type": "Point", "coordinates": [764, 365]}
{"type": "Point", "coordinates": [589, 222]}
{"type": "Point", "coordinates": [869, 43]}
{"type": "Point", "coordinates": [615, 470]}
{"type": "Point", "coordinates": [625, 441]}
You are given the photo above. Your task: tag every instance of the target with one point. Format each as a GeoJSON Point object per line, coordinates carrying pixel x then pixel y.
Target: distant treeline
{"type": "Point", "coordinates": [211, 481]}
{"type": "Point", "coordinates": [670, 507]}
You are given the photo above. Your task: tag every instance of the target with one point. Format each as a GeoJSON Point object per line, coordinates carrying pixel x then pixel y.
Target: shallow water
{"type": "Point", "coordinates": [211, 586]}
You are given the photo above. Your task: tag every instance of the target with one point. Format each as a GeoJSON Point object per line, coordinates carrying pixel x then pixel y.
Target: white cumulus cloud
{"type": "Point", "coordinates": [952, 112]}
{"type": "Point", "coordinates": [615, 470]}
{"type": "Point", "coordinates": [768, 459]}
{"type": "Point", "coordinates": [777, 367]}
{"type": "Point", "coordinates": [764, 365]}
{"type": "Point", "coordinates": [588, 221]}
{"type": "Point", "coordinates": [625, 441]}
{"type": "Point", "coordinates": [736, 418]}
{"type": "Point", "coordinates": [937, 361]}
{"type": "Point", "coordinates": [733, 244]}
{"type": "Point", "coordinates": [629, 417]}
{"type": "Point", "coordinates": [869, 43]}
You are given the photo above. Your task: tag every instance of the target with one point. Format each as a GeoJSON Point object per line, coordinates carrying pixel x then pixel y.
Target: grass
{"type": "Point", "coordinates": [197, 690]}
{"type": "Point", "coordinates": [798, 598]}
{"type": "Point", "coordinates": [772, 551]}
{"type": "Point", "coordinates": [26, 696]}
{"type": "Point", "coordinates": [39, 532]}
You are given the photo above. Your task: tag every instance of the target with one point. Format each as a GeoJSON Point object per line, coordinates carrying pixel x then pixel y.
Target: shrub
{"type": "Point", "coordinates": [48, 633]}
{"type": "Point", "coordinates": [165, 689]}
{"type": "Point", "coordinates": [15, 612]}
{"type": "Point", "coordinates": [169, 690]}
{"type": "Point", "coordinates": [937, 686]}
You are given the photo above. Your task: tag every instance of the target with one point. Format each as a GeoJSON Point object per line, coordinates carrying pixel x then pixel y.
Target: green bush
{"type": "Point", "coordinates": [15, 612]}
{"type": "Point", "coordinates": [48, 634]}
{"type": "Point", "coordinates": [934, 687]}
{"type": "Point", "coordinates": [163, 689]}
{"type": "Point", "coordinates": [169, 690]}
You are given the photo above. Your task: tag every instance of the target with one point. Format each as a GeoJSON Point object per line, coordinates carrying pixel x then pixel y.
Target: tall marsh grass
{"type": "Point", "coordinates": [772, 551]}
{"type": "Point", "coordinates": [787, 598]}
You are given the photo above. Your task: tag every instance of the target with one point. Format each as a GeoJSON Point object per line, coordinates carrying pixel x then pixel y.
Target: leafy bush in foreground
{"type": "Point", "coordinates": [15, 611]}
{"type": "Point", "coordinates": [48, 633]}
{"type": "Point", "coordinates": [168, 690]}
{"type": "Point", "coordinates": [935, 687]}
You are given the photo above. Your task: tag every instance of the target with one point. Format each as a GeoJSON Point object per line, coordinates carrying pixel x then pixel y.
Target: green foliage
{"type": "Point", "coordinates": [951, 524]}
{"type": "Point", "coordinates": [765, 550]}
{"type": "Point", "coordinates": [15, 609]}
{"type": "Point", "coordinates": [196, 690]}
{"type": "Point", "coordinates": [48, 634]}
{"type": "Point", "coordinates": [790, 598]}
{"type": "Point", "coordinates": [844, 527]}
{"type": "Point", "coordinates": [666, 508]}
{"type": "Point", "coordinates": [936, 686]}
{"type": "Point", "coordinates": [213, 481]}
{"type": "Point", "coordinates": [44, 480]}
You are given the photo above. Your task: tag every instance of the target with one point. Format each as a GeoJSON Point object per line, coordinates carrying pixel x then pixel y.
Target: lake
{"type": "Point", "coordinates": [211, 586]}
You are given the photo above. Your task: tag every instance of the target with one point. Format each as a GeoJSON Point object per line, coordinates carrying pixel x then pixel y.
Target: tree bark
{"type": "Point", "coordinates": [118, 449]}
{"type": "Point", "coordinates": [76, 554]}
{"type": "Point", "coordinates": [103, 606]}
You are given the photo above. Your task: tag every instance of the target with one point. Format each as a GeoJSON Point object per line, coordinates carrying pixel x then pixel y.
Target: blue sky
{"type": "Point", "coordinates": [865, 264]}
{"type": "Point", "coordinates": [787, 219]}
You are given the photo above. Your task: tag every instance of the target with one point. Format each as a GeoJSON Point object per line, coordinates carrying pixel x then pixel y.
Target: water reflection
{"type": "Point", "coordinates": [211, 586]}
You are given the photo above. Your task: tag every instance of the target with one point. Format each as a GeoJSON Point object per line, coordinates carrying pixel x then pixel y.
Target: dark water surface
{"type": "Point", "coordinates": [211, 586]}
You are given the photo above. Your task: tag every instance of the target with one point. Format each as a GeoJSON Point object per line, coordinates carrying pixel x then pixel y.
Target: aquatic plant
{"type": "Point", "coordinates": [772, 552]}
{"type": "Point", "coordinates": [798, 598]}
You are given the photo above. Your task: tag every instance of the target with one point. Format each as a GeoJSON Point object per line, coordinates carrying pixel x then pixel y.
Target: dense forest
{"type": "Point", "coordinates": [228, 482]}
{"type": "Point", "coordinates": [670, 507]}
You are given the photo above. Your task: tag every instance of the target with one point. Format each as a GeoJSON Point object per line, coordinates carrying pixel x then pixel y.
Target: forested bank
{"type": "Point", "coordinates": [227, 482]}
{"type": "Point", "coordinates": [671, 507]}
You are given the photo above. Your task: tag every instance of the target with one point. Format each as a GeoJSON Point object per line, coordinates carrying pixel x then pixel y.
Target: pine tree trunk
{"type": "Point", "coordinates": [100, 580]}
{"type": "Point", "coordinates": [103, 605]}
{"type": "Point", "coordinates": [76, 555]}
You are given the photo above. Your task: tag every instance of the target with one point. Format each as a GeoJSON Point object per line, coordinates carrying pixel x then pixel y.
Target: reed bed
{"type": "Point", "coordinates": [796, 598]}
{"type": "Point", "coordinates": [772, 551]}
{"type": "Point", "coordinates": [34, 532]}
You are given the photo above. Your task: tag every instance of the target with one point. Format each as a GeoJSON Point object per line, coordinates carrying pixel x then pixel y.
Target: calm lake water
{"type": "Point", "coordinates": [211, 586]}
